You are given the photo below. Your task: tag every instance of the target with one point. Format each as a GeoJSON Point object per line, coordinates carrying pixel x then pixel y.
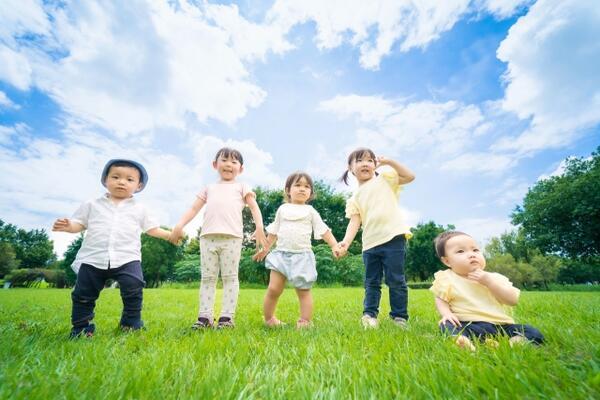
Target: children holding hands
{"type": "Point", "coordinates": [221, 236]}
{"type": "Point", "coordinates": [293, 259]}
{"type": "Point", "coordinates": [111, 248]}
{"type": "Point", "coordinates": [473, 303]}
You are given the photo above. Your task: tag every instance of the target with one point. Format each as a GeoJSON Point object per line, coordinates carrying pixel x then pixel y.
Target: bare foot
{"type": "Point", "coordinates": [517, 341]}
{"type": "Point", "coordinates": [464, 343]}
{"type": "Point", "coordinates": [303, 323]}
{"type": "Point", "coordinates": [274, 323]}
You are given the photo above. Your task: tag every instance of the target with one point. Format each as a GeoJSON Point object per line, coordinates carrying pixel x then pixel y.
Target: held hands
{"type": "Point", "coordinates": [340, 250]}
{"type": "Point", "coordinates": [175, 235]}
{"type": "Point", "coordinates": [260, 239]}
{"type": "Point", "coordinates": [62, 225]}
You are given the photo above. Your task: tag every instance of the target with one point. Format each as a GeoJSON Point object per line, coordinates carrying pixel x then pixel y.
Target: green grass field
{"type": "Point", "coordinates": [334, 359]}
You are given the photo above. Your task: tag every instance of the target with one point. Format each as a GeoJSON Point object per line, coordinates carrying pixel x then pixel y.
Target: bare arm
{"type": "Point", "coordinates": [177, 232]}
{"type": "Point", "coordinates": [405, 175]}
{"type": "Point", "coordinates": [505, 294]}
{"type": "Point", "coordinates": [447, 315]}
{"type": "Point", "coordinates": [159, 233]}
{"type": "Point", "coordinates": [259, 233]}
{"type": "Point", "coordinates": [66, 225]}
{"type": "Point", "coordinates": [352, 229]}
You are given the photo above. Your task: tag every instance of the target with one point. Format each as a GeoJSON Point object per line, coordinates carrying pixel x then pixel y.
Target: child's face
{"type": "Point", "coordinates": [122, 182]}
{"type": "Point", "coordinates": [363, 168]}
{"type": "Point", "coordinates": [228, 168]}
{"type": "Point", "coordinates": [300, 191]}
{"type": "Point", "coordinates": [463, 255]}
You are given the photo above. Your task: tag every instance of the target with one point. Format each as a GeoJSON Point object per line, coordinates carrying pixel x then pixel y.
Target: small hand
{"type": "Point", "coordinates": [175, 235]}
{"type": "Point", "coordinates": [449, 318]}
{"type": "Point", "coordinates": [342, 249]}
{"type": "Point", "coordinates": [61, 225]}
{"type": "Point", "coordinates": [260, 238]}
{"type": "Point", "coordinates": [259, 255]}
{"type": "Point", "coordinates": [479, 276]}
{"type": "Point", "coordinates": [381, 160]}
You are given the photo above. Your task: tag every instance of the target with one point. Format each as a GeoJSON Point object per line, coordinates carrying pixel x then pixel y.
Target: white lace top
{"type": "Point", "coordinates": [293, 226]}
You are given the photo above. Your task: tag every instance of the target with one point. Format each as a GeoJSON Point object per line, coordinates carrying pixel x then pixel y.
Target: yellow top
{"type": "Point", "coordinates": [376, 201]}
{"type": "Point", "coordinates": [470, 300]}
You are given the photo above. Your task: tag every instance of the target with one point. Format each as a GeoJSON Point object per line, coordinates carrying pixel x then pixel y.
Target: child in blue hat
{"type": "Point", "coordinates": [111, 248]}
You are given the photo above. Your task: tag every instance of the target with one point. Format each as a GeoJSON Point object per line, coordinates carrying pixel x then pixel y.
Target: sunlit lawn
{"type": "Point", "coordinates": [334, 359]}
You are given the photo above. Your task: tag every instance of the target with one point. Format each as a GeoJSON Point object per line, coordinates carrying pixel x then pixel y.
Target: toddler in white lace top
{"type": "Point", "coordinates": [293, 259]}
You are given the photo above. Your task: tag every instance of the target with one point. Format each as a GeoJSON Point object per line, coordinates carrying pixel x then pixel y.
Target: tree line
{"type": "Point", "coordinates": [556, 239]}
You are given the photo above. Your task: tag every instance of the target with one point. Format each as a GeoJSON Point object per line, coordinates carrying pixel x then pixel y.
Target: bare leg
{"type": "Point", "coordinates": [306, 305]}
{"type": "Point", "coordinates": [276, 286]}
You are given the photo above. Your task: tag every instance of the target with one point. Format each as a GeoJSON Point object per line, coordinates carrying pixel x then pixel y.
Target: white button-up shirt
{"type": "Point", "coordinates": [112, 232]}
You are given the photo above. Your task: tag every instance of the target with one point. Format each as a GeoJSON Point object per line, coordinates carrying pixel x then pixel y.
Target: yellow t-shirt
{"type": "Point", "coordinates": [376, 201]}
{"type": "Point", "coordinates": [470, 300]}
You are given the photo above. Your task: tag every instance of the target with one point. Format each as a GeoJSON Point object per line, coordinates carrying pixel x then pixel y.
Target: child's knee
{"type": "Point", "coordinates": [274, 292]}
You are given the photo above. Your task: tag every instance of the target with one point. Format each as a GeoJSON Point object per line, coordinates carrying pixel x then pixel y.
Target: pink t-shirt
{"type": "Point", "coordinates": [223, 209]}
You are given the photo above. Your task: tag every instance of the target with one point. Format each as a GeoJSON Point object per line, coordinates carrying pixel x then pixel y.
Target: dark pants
{"type": "Point", "coordinates": [481, 330]}
{"type": "Point", "coordinates": [386, 259]}
{"type": "Point", "coordinates": [91, 280]}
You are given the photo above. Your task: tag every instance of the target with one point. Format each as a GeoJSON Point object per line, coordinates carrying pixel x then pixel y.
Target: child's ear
{"type": "Point", "coordinates": [241, 169]}
{"type": "Point", "coordinates": [444, 260]}
{"type": "Point", "coordinates": [214, 164]}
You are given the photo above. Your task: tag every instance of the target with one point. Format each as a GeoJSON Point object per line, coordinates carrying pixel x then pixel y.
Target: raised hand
{"type": "Point", "coordinates": [61, 225]}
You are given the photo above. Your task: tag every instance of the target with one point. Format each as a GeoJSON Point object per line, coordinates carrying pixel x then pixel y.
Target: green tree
{"type": "Point", "coordinates": [158, 259]}
{"type": "Point", "coordinates": [8, 260]}
{"type": "Point", "coordinates": [187, 269]}
{"type": "Point", "coordinates": [421, 260]}
{"type": "Point", "coordinates": [69, 258]}
{"type": "Point", "coordinates": [561, 214]}
{"type": "Point", "coordinates": [32, 248]}
{"type": "Point", "coordinates": [514, 243]}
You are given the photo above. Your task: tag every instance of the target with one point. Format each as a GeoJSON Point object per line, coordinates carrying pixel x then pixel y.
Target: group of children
{"type": "Point", "coordinates": [472, 302]}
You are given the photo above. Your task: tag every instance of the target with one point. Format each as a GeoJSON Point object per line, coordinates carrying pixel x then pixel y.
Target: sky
{"type": "Point", "coordinates": [480, 99]}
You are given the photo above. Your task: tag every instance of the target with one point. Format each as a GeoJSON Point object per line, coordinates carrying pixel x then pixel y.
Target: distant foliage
{"type": "Point", "coordinates": [561, 214]}
{"type": "Point", "coordinates": [158, 259]}
{"type": "Point", "coordinates": [187, 269]}
{"type": "Point", "coordinates": [34, 277]}
{"type": "Point", "coordinates": [421, 260]}
{"type": "Point", "coordinates": [33, 249]}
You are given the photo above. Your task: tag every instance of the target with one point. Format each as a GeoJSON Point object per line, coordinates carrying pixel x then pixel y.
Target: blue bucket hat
{"type": "Point", "coordinates": [134, 164]}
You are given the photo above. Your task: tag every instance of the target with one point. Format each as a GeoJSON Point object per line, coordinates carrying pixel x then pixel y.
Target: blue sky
{"type": "Point", "coordinates": [479, 98]}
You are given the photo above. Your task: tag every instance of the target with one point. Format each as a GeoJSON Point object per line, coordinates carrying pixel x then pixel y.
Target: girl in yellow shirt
{"type": "Point", "coordinates": [374, 206]}
{"type": "Point", "coordinates": [474, 303]}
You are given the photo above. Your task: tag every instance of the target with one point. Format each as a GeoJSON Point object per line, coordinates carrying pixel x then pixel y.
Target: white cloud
{"type": "Point", "coordinates": [473, 162]}
{"type": "Point", "coordinates": [5, 101]}
{"type": "Point", "coordinates": [14, 68]}
{"type": "Point", "coordinates": [375, 27]}
{"type": "Point", "coordinates": [443, 131]}
{"type": "Point", "coordinates": [552, 75]}
{"type": "Point", "coordinates": [8, 132]}
{"type": "Point", "coordinates": [483, 229]}
{"type": "Point", "coordinates": [43, 179]}
{"type": "Point", "coordinates": [162, 62]}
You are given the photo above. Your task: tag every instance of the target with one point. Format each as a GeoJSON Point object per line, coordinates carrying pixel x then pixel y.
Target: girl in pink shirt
{"type": "Point", "coordinates": [221, 236]}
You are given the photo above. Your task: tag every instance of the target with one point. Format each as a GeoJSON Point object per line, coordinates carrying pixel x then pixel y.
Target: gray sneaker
{"type": "Point", "coordinates": [400, 322]}
{"type": "Point", "coordinates": [369, 322]}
